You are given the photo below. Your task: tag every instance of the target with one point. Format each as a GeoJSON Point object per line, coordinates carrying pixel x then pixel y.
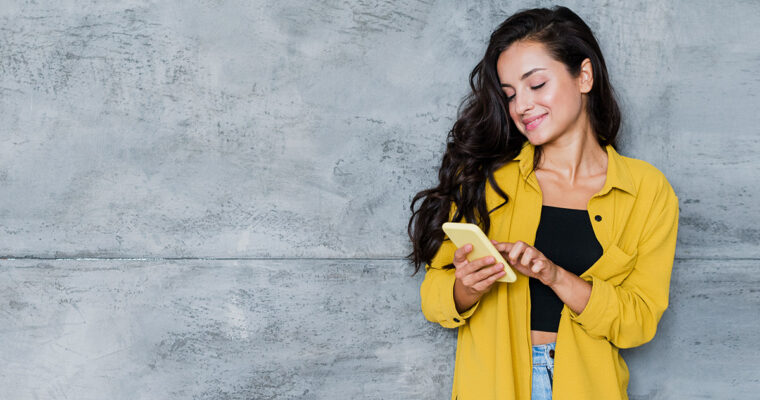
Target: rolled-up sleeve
{"type": "Point", "coordinates": [628, 314]}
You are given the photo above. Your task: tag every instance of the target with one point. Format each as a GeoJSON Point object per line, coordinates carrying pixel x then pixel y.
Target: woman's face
{"type": "Point", "coordinates": [545, 100]}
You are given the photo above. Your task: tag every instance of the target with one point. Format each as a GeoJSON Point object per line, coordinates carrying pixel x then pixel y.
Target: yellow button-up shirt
{"type": "Point", "coordinates": [635, 219]}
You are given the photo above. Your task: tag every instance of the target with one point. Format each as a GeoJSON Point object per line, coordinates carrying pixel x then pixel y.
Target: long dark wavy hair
{"type": "Point", "coordinates": [485, 138]}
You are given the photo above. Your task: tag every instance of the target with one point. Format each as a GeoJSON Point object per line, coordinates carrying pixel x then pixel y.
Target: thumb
{"type": "Point", "coordinates": [500, 246]}
{"type": "Point", "coordinates": [460, 255]}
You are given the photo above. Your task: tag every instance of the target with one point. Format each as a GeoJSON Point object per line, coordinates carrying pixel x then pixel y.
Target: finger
{"type": "Point", "coordinates": [485, 273]}
{"type": "Point", "coordinates": [489, 281]}
{"type": "Point", "coordinates": [460, 255]}
{"type": "Point", "coordinates": [503, 247]}
{"type": "Point", "coordinates": [481, 262]}
{"type": "Point", "coordinates": [528, 255]}
{"type": "Point", "coordinates": [497, 243]}
{"type": "Point", "coordinates": [515, 252]}
{"type": "Point", "coordinates": [522, 269]}
{"type": "Point", "coordinates": [474, 268]}
{"type": "Point", "coordinates": [470, 267]}
{"type": "Point", "coordinates": [538, 266]}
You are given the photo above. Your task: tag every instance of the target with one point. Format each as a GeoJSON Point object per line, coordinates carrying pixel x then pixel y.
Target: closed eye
{"type": "Point", "coordinates": [510, 98]}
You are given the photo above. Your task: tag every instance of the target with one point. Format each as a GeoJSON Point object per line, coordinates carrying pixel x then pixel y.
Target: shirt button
{"type": "Point", "coordinates": [551, 353]}
{"type": "Point", "coordinates": [598, 217]}
{"type": "Point", "coordinates": [456, 319]}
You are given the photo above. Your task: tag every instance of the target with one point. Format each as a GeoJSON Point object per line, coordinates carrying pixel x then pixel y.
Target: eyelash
{"type": "Point", "coordinates": [532, 87]}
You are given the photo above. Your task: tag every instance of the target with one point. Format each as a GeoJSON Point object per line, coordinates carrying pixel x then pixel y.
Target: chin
{"type": "Point", "coordinates": [542, 136]}
{"type": "Point", "coordinates": [535, 138]}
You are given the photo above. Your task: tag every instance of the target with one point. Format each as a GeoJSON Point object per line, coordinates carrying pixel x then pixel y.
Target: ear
{"type": "Point", "coordinates": [586, 76]}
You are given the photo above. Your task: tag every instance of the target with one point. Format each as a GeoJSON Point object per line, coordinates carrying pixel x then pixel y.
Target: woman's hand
{"type": "Point", "coordinates": [475, 277]}
{"type": "Point", "coordinates": [529, 261]}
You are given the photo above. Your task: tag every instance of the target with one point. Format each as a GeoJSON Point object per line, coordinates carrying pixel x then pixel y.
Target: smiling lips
{"type": "Point", "coordinates": [533, 122]}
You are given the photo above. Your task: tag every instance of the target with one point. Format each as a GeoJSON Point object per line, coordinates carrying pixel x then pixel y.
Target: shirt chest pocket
{"type": "Point", "coordinates": [614, 265]}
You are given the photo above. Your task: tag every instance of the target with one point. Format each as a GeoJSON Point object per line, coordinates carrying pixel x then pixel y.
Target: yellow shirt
{"type": "Point", "coordinates": [635, 219]}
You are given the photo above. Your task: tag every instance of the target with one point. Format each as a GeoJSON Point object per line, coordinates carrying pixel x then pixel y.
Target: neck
{"type": "Point", "coordinates": [574, 155]}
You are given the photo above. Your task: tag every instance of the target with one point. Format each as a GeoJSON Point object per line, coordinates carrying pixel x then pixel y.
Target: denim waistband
{"type": "Point", "coordinates": [543, 354]}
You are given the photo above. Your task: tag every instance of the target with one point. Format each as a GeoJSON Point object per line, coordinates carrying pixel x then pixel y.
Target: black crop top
{"type": "Point", "coordinates": [566, 237]}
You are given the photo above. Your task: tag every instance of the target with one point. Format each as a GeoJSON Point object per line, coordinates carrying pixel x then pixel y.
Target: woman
{"type": "Point", "coordinates": [590, 233]}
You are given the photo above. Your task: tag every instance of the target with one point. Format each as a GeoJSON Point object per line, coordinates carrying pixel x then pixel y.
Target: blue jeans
{"type": "Point", "coordinates": [543, 371]}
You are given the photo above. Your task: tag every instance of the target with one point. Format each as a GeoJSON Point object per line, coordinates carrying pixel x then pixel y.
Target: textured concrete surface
{"type": "Point", "coordinates": [107, 329]}
{"type": "Point", "coordinates": [704, 346]}
{"type": "Point", "coordinates": [343, 329]}
{"type": "Point", "coordinates": [195, 194]}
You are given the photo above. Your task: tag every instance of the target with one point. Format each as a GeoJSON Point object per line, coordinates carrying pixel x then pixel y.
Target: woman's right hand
{"type": "Point", "coordinates": [473, 278]}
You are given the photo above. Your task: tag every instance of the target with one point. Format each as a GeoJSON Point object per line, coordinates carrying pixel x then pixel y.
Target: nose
{"type": "Point", "coordinates": [523, 103]}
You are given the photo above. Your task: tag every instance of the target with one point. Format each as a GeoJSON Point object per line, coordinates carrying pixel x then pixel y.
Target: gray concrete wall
{"type": "Point", "coordinates": [208, 200]}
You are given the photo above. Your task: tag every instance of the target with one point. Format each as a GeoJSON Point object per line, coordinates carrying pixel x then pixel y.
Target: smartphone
{"type": "Point", "coordinates": [463, 233]}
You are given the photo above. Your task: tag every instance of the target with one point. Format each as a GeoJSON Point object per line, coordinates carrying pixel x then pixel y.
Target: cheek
{"type": "Point", "coordinates": [551, 99]}
{"type": "Point", "coordinates": [515, 118]}
{"type": "Point", "coordinates": [512, 113]}
{"type": "Point", "coordinates": [562, 101]}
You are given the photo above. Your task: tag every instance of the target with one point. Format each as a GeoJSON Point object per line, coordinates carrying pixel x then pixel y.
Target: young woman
{"type": "Point", "coordinates": [591, 234]}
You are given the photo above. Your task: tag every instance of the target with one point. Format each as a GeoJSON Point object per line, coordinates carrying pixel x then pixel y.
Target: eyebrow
{"type": "Point", "coordinates": [525, 75]}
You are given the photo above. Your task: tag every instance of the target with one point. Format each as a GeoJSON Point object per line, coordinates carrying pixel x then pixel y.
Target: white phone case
{"type": "Point", "coordinates": [463, 233]}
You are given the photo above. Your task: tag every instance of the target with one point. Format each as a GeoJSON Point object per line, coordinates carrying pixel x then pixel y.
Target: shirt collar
{"type": "Point", "coordinates": [618, 174]}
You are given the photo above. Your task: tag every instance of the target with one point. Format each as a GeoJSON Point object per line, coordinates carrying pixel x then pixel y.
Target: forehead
{"type": "Point", "coordinates": [521, 57]}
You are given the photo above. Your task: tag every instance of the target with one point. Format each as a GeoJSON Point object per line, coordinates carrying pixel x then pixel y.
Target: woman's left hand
{"type": "Point", "coordinates": [528, 261]}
